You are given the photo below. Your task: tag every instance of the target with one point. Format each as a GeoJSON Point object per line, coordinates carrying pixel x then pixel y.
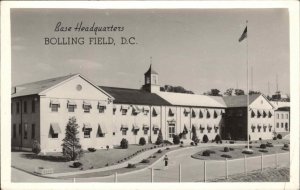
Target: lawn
{"type": "Point", "coordinates": [236, 151]}
{"type": "Point", "coordinates": [28, 161]}
{"type": "Point", "coordinates": [268, 175]}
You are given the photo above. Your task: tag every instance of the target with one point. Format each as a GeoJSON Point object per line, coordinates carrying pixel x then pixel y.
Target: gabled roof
{"type": "Point", "coordinates": [181, 99]}
{"type": "Point", "coordinates": [283, 109]}
{"type": "Point", "coordinates": [38, 86]}
{"type": "Point", "coordinates": [150, 71]}
{"type": "Point", "coordinates": [134, 96]}
{"type": "Point", "coordinates": [239, 101]}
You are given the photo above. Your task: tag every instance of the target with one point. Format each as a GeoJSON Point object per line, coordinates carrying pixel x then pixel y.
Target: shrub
{"type": "Point", "coordinates": [91, 149]}
{"type": "Point", "coordinates": [231, 149]}
{"type": "Point", "coordinates": [205, 139]}
{"type": "Point", "coordinates": [269, 144]}
{"type": "Point", "coordinates": [211, 151]}
{"type": "Point", "coordinates": [77, 164]}
{"type": "Point", "coordinates": [192, 144]}
{"type": "Point", "coordinates": [159, 139]}
{"type": "Point", "coordinates": [205, 153]}
{"type": "Point", "coordinates": [231, 142]}
{"type": "Point", "coordinates": [181, 142]}
{"type": "Point", "coordinates": [124, 144]}
{"type": "Point", "coordinates": [249, 146]}
{"type": "Point", "coordinates": [176, 139]}
{"type": "Point", "coordinates": [153, 156]}
{"type": "Point", "coordinates": [159, 151]}
{"type": "Point", "coordinates": [286, 146]}
{"type": "Point", "coordinates": [181, 145]}
{"type": "Point", "coordinates": [154, 146]}
{"type": "Point", "coordinates": [107, 147]}
{"type": "Point", "coordinates": [274, 138]}
{"type": "Point", "coordinates": [226, 149]}
{"type": "Point", "coordinates": [226, 156]}
{"type": "Point", "coordinates": [36, 148]}
{"type": "Point", "coordinates": [247, 152]}
{"type": "Point", "coordinates": [145, 161]}
{"type": "Point", "coordinates": [259, 138]}
{"type": "Point", "coordinates": [142, 141]}
{"type": "Point", "coordinates": [263, 150]}
{"type": "Point", "coordinates": [279, 136]}
{"type": "Point", "coordinates": [221, 142]}
{"type": "Point", "coordinates": [195, 138]}
{"type": "Point", "coordinates": [218, 139]}
{"type": "Point", "coordinates": [131, 166]}
{"type": "Point", "coordinates": [263, 146]}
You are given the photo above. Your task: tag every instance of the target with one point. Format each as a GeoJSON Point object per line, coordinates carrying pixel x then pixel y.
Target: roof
{"type": "Point", "coordinates": [134, 96]}
{"type": "Point", "coordinates": [182, 99]}
{"type": "Point", "coordinates": [279, 104]}
{"type": "Point", "coordinates": [283, 109]}
{"type": "Point", "coordinates": [41, 86]}
{"type": "Point", "coordinates": [150, 71]}
{"type": "Point", "coordinates": [38, 86]}
{"type": "Point", "coordinates": [239, 101]}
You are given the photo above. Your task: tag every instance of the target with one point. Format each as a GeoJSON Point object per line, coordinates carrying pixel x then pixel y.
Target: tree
{"type": "Point", "coordinates": [159, 139]}
{"type": "Point", "coordinates": [214, 92]}
{"type": "Point", "coordinates": [124, 144]}
{"type": "Point", "coordinates": [239, 92]}
{"type": "Point", "coordinates": [194, 135]}
{"type": "Point", "coordinates": [36, 148]}
{"type": "Point", "coordinates": [71, 146]}
{"type": "Point", "coordinates": [205, 139]}
{"type": "Point", "coordinates": [254, 92]}
{"type": "Point", "coordinates": [228, 92]}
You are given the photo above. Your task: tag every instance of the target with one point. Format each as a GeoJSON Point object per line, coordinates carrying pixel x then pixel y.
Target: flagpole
{"type": "Point", "coordinates": [247, 88]}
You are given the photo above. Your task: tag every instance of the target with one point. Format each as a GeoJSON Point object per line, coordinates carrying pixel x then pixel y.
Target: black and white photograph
{"type": "Point", "coordinates": [168, 95]}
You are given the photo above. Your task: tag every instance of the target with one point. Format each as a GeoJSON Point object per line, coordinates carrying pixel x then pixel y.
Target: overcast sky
{"type": "Point", "coordinates": [196, 49]}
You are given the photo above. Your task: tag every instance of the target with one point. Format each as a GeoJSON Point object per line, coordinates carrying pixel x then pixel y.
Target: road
{"type": "Point", "coordinates": [192, 170]}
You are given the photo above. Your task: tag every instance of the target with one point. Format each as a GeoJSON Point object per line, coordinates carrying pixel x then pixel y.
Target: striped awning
{"type": "Point", "coordinates": [201, 113]}
{"type": "Point", "coordinates": [71, 103]}
{"type": "Point", "coordinates": [102, 129]}
{"type": "Point", "coordinates": [124, 107]}
{"type": "Point", "coordinates": [101, 103]}
{"type": "Point", "coordinates": [186, 110]}
{"type": "Point", "coordinates": [145, 127]}
{"type": "Point", "coordinates": [155, 127]}
{"type": "Point", "coordinates": [156, 111]}
{"type": "Point", "coordinates": [146, 108]}
{"type": "Point", "coordinates": [172, 111]}
{"type": "Point", "coordinates": [54, 128]}
{"type": "Point", "coordinates": [124, 127]}
{"type": "Point", "coordinates": [136, 109]}
{"type": "Point", "coordinates": [195, 112]}
{"type": "Point", "coordinates": [86, 103]}
{"type": "Point", "coordinates": [87, 126]}
{"type": "Point", "coordinates": [135, 127]}
{"type": "Point", "coordinates": [54, 101]}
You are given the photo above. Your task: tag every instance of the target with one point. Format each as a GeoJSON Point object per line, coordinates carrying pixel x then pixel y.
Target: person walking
{"type": "Point", "coordinates": [166, 159]}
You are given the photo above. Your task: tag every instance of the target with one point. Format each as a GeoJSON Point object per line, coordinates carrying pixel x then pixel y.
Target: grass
{"type": "Point", "coordinates": [28, 161]}
{"type": "Point", "coordinates": [139, 165]}
{"type": "Point", "coordinates": [268, 175]}
{"type": "Point", "coordinates": [237, 152]}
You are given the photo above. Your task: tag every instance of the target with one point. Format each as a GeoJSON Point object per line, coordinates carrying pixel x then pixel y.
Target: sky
{"type": "Point", "coordinates": [194, 48]}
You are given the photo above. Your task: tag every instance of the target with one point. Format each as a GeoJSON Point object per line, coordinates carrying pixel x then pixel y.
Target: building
{"type": "Point", "coordinates": [105, 115]}
{"type": "Point", "coordinates": [282, 120]}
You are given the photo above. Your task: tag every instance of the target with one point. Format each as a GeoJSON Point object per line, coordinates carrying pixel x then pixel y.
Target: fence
{"type": "Point", "coordinates": [199, 170]}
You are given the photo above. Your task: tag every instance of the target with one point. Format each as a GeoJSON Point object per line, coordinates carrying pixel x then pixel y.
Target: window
{"type": "Point", "coordinates": [20, 129]}
{"type": "Point", "coordinates": [54, 130]}
{"type": "Point", "coordinates": [71, 108]}
{"type": "Point", "coordinates": [286, 126]}
{"type": "Point", "coordinates": [33, 106]}
{"type": "Point", "coordinates": [277, 116]}
{"type": "Point", "coordinates": [265, 128]}
{"type": "Point", "coordinates": [54, 135]}
{"type": "Point", "coordinates": [25, 107]}
{"type": "Point", "coordinates": [270, 128]}
{"type": "Point", "coordinates": [124, 132]}
{"type": "Point", "coordinates": [25, 130]}
{"type": "Point", "coordinates": [14, 131]}
{"type": "Point", "coordinates": [281, 125]}
{"type": "Point", "coordinates": [54, 107]}
{"type": "Point", "coordinates": [124, 111]}
{"type": "Point", "coordinates": [277, 125]}
{"type": "Point", "coordinates": [282, 116]}
{"type": "Point", "coordinates": [18, 107]}
{"type": "Point", "coordinates": [216, 129]}
{"type": "Point", "coordinates": [87, 133]}
{"type": "Point", "coordinates": [155, 132]}
{"type": "Point", "coordinates": [114, 111]}
{"type": "Point", "coordinates": [114, 133]}
{"type": "Point", "coordinates": [86, 108]}
{"type": "Point", "coordinates": [258, 128]}
{"type": "Point", "coordinates": [101, 109]}
{"type": "Point", "coordinates": [11, 107]}
{"type": "Point", "coordinates": [135, 132]}
{"type": "Point", "coordinates": [171, 130]}
{"type": "Point", "coordinates": [145, 132]}
{"type": "Point", "coordinates": [32, 131]}
{"type": "Point", "coordinates": [287, 116]}
{"type": "Point", "coordinates": [253, 129]}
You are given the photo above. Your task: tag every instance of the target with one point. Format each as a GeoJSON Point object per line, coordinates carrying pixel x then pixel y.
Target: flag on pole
{"type": "Point", "coordinates": [244, 35]}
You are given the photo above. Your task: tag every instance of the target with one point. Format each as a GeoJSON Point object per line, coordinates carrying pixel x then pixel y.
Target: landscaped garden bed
{"type": "Point", "coordinates": [220, 153]}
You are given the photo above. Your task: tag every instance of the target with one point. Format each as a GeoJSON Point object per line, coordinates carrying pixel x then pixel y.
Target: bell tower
{"type": "Point", "coordinates": [151, 81]}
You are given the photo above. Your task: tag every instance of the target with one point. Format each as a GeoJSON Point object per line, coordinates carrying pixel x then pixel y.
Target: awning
{"type": "Point", "coordinates": [156, 111]}
{"type": "Point", "coordinates": [260, 112]}
{"type": "Point", "coordinates": [208, 126]}
{"type": "Point", "coordinates": [86, 103]}
{"type": "Point", "coordinates": [186, 110]}
{"type": "Point", "coordinates": [146, 108]}
{"type": "Point", "coordinates": [54, 101]}
{"type": "Point", "coordinates": [194, 125]}
{"type": "Point", "coordinates": [171, 121]}
{"type": "Point", "coordinates": [135, 127]}
{"type": "Point", "coordinates": [172, 111]}
{"type": "Point", "coordinates": [207, 113]}
{"type": "Point", "coordinates": [201, 113]}
{"type": "Point", "coordinates": [101, 104]}
{"type": "Point", "coordinates": [71, 103]}
{"type": "Point", "coordinates": [216, 113]}
{"type": "Point", "coordinates": [216, 127]}
{"type": "Point", "coordinates": [201, 127]}
{"type": "Point", "coordinates": [264, 113]}
{"type": "Point", "coordinates": [87, 126]}
{"type": "Point", "coordinates": [124, 107]}
{"type": "Point", "coordinates": [102, 129]}
{"type": "Point", "coordinates": [270, 114]}
{"type": "Point", "coordinates": [145, 127]}
{"type": "Point", "coordinates": [155, 127]}
{"type": "Point", "coordinates": [124, 127]}
{"type": "Point", "coordinates": [136, 109]}
{"type": "Point", "coordinates": [253, 126]}
{"type": "Point", "coordinates": [195, 112]}
{"type": "Point", "coordinates": [253, 113]}
{"type": "Point", "coordinates": [270, 126]}
{"type": "Point", "coordinates": [185, 130]}
{"type": "Point", "coordinates": [54, 128]}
